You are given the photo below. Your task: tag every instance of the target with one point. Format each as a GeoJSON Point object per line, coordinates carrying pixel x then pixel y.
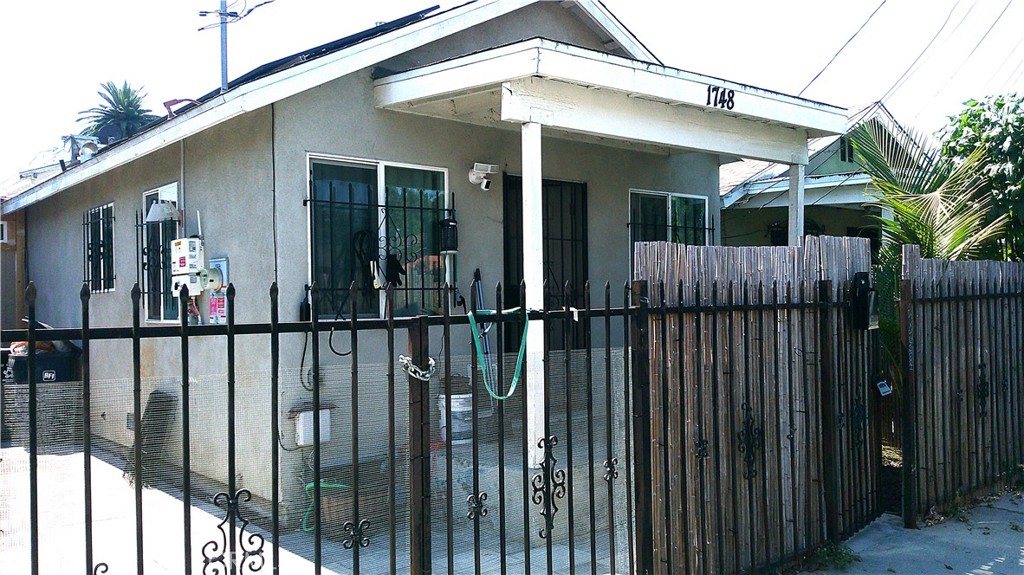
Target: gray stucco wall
{"type": "Point", "coordinates": [234, 175]}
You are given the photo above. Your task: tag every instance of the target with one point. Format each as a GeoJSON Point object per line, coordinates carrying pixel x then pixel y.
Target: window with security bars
{"type": "Point", "coordinates": [372, 225]}
{"type": "Point", "coordinates": [98, 248]}
{"type": "Point", "coordinates": [666, 217]}
{"type": "Point", "coordinates": [153, 243]}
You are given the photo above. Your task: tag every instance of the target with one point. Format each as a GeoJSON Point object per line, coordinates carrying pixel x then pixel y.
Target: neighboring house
{"type": "Point", "coordinates": [48, 164]}
{"type": "Point", "coordinates": [755, 194]}
{"type": "Point", "coordinates": [332, 165]}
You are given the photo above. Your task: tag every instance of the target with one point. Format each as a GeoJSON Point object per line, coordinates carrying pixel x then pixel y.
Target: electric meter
{"type": "Point", "coordinates": [187, 256]}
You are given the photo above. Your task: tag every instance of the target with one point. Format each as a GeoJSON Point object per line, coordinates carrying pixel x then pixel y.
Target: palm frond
{"type": "Point", "coordinates": [934, 202]}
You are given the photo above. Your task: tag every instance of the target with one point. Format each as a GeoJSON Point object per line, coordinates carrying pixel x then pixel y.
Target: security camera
{"type": "Point", "coordinates": [479, 179]}
{"type": "Point", "coordinates": [478, 175]}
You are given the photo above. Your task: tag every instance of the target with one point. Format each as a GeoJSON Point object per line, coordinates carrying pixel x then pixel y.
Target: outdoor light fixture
{"type": "Point", "coordinates": [161, 211]}
{"type": "Point", "coordinates": [478, 175]}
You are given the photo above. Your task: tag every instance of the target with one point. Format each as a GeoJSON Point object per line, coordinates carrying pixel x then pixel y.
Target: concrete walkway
{"type": "Point", "coordinates": [990, 541]}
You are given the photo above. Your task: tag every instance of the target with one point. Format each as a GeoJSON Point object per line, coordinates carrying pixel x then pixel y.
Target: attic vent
{"type": "Point", "coordinates": [845, 149]}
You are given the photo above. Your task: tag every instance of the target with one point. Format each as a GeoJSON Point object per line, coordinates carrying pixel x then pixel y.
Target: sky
{"type": "Point", "coordinates": [54, 54]}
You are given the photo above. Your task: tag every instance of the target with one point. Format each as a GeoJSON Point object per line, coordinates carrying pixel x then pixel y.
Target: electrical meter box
{"type": "Point", "coordinates": [193, 283]}
{"type": "Point", "coordinates": [187, 256]}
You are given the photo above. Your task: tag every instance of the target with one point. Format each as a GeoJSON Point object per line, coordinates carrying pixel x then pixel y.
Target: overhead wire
{"type": "Point", "coordinates": [966, 59]}
{"type": "Point", "coordinates": [843, 47]}
{"type": "Point", "coordinates": [915, 69]}
{"type": "Point", "coordinates": [888, 93]}
{"type": "Point", "coordinates": [1009, 54]}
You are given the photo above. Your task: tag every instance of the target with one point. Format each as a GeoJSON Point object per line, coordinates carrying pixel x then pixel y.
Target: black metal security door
{"type": "Point", "coordinates": [565, 244]}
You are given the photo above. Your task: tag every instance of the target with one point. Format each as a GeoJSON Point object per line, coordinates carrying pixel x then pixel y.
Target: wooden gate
{"type": "Point", "coordinates": [762, 441]}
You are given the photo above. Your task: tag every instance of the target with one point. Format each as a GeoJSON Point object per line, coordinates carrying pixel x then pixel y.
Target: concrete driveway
{"type": "Point", "coordinates": [986, 540]}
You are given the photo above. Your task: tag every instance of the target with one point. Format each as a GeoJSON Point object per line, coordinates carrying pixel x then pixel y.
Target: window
{"type": "Point", "coordinates": [660, 216]}
{"type": "Point", "coordinates": [98, 248]}
{"type": "Point", "coordinates": [155, 238]}
{"type": "Point", "coordinates": [3, 233]}
{"type": "Point", "coordinates": [845, 149]}
{"type": "Point", "coordinates": [373, 224]}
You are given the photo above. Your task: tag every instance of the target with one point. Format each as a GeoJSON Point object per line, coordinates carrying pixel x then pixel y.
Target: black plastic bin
{"type": "Point", "coordinates": [58, 400]}
{"type": "Point", "coordinates": [51, 366]}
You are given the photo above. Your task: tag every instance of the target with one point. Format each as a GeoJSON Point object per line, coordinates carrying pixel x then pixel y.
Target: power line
{"type": "Point", "coordinates": [917, 68]}
{"type": "Point", "coordinates": [965, 60]}
{"type": "Point", "coordinates": [843, 47]}
{"type": "Point", "coordinates": [1009, 54]}
{"type": "Point", "coordinates": [890, 91]}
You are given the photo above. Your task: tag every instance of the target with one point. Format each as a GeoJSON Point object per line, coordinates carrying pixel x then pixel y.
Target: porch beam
{"type": "Point", "coordinates": [796, 204]}
{"type": "Point", "coordinates": [533, 275]}
{"type": "Point", "coordinates": [617, 115]}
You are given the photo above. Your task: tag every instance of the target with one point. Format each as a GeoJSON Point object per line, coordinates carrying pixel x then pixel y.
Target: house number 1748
{"type": "Point", "coordinates": [720, 97]}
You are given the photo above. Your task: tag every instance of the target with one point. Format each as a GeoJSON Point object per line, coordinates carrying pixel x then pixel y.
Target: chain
{"type": "Point", "coordinates": [418, 373]}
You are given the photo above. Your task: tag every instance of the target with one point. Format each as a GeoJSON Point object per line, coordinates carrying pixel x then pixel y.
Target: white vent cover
{"type": "Point", "coordinates": [304, 427]}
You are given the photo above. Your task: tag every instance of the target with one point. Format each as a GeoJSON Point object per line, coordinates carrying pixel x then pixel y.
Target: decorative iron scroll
{"type": "Point", "coordinates": [610, 472]}
{"type": "Point", "coordinates": [356, 534]}
{"type": "Point", "coordinates": [750, 440]}
{"type": "Point", "coordinates": [249, 545]}
{"type": "Point", "coordinates": [858, 419]}
{"type": "Point", "coordinates": [100, 568]}
{"type": "Point", "coordinates": [981, 391]}
{"type": "Point", "coordinates": [477, 507]}
{"type": "Point", "coordinates": [702, 447]}
{"type": "Point", "coordinates": [548, 485]}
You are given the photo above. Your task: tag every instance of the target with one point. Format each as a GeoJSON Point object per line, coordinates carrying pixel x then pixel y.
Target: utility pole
{"type": "Point", "coordinates": [225, 18]}
{"type": "Point", "coordinates": [223, 13]}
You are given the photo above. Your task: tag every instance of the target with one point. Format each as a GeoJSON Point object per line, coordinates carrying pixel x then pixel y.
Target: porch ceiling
{"type": "Point", "coordinates": [593, 96]}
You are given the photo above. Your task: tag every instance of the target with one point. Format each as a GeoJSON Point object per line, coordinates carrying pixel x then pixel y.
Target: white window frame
{"type": "Point", "coordinates": [3, 233]}
{"type": "Point", "coordinates": [380, 166]}
{"type": "Point", "coordinates": [167, 192]}
{"type": "Point", "coordinates": [708, 239]}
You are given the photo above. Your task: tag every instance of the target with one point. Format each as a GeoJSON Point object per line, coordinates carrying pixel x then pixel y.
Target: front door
{"type": "Point", "coordinates": [565, 247]}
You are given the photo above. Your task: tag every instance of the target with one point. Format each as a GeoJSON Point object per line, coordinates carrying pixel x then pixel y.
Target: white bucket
{"type": "Point", "coordinates": [462, 418]}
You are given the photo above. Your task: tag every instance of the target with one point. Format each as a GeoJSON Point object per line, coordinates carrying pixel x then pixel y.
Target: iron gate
{"type": "Point", "coordinates": [717, 431]}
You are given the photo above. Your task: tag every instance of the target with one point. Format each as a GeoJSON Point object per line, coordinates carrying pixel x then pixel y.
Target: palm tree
{"type": "Point", "coordinates": [934, 203]}
{"type": "Point", "coordinates": [934, 200]}
{"type": "Point", "coordinates": [122, 112]}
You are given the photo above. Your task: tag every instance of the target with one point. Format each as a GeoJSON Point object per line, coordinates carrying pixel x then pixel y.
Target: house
{"type": "Point", "coordinates": [545, 129]}
{"type": "Point", "coordinates": [837, 201]}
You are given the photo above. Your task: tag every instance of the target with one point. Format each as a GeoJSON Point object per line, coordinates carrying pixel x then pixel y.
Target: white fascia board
{"type": "Point", "coordinates": [611, 25]}
{"type": "Point", "coordinates": [810, 182]}
{"type": "Point", "coordinates": [851, 192]}
{"type": "Point", "coordinates": [547, 59]}
{"type": "Point", "coordinates": [452, 78]}
{"type": "Point", "coordinates": [273, 88]}
{"type": "Point", "coordinates": [659, 82]}
{"type": "Point", "coordinates": [616, 115]}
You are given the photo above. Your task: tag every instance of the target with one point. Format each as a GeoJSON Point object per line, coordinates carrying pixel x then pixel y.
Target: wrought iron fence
{"type": "Point", "coordinates": [476, 493]}
{"type": "Point", "coordinates": [715, 429]}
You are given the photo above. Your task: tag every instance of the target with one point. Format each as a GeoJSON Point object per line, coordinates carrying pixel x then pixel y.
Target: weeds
{"type": "Point", "coordinates": [834, 556]}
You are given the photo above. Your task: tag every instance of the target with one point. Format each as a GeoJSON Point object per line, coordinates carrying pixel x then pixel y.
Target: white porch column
{"type": "Point", "coordinates": [796, 204]}
{"type": "Point", "coordinates": [533, 275]}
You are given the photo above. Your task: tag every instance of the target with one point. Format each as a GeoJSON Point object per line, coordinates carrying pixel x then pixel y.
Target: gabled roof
{"type": "Point", "coordinates": [294, 74]}
{"type": "Point", "coordinates": [739, 181]}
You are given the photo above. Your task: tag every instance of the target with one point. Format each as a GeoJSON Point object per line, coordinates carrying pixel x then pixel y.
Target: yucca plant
{"type": "Point", "coordinates": [122, 110]}
{"type": "Point", "coordinates": [934, 202]}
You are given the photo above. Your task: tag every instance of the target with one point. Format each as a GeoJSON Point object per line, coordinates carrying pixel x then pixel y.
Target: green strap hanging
{"type": "Point", "coordinates": [480, 351]}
